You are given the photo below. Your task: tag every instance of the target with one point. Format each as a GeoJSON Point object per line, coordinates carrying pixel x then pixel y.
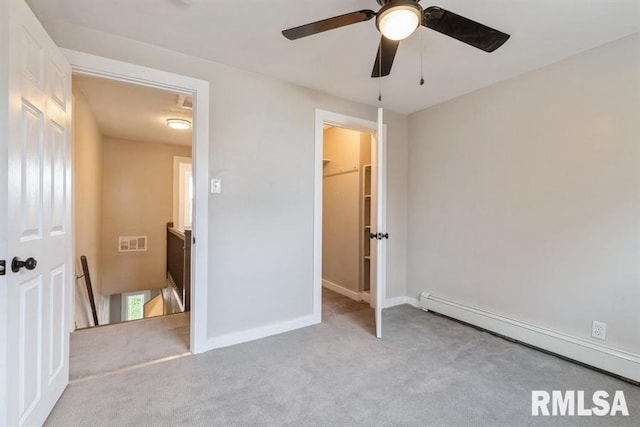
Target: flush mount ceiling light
{"type": "Point", "coordinates": [180, 124]}
{"type": "Point", "coordinates": [397, 20]}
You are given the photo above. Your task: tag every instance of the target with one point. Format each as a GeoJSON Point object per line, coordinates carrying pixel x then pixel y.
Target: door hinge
{"type": "Point", "coordinates": [3, 267]}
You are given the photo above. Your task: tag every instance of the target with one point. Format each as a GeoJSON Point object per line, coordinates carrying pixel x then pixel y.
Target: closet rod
{"type": "Point", "coordinates": [342, 172]}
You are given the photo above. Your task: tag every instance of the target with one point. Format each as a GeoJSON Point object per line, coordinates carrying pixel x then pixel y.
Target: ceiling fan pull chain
{"type": "Point", "coordinates": [421, 61]}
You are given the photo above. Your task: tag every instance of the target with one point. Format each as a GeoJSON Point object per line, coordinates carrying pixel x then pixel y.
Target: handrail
{"type": "Point", "coordinates": [175, 231]}
{"type": "Point", "coordinates": [179, 262]}
{"type": "Point", "coordinates": [87, 281]}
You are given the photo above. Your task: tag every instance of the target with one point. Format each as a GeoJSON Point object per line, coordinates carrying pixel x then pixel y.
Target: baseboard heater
{"type": "Point", "coordinates": [608, 360]}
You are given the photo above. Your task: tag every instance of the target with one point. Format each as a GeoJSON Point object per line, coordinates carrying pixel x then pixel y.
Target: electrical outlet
{"type": "Point", "coordinates": [599, 330]}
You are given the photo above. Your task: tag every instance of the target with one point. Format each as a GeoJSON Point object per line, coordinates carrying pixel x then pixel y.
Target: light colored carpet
{"type": "Point", "coordinates": [108, 348]}
{"type": "Point", "coordinates": [426, 371]}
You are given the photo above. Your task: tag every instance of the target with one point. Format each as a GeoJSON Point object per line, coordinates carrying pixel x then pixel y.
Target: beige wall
{"type": "Point", "coordinates": [341, 209]}
{"type": "Point", "coordinates": [137, 201]}
{"type": "Point", "coordinates": [525, 196]}
{"type": "Point", "coordinates": [87, 184]}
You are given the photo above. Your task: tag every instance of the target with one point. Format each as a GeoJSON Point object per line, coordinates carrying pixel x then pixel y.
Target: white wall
{"type": "Point", "coordinates": [87, 195]}
{"type": "Point", "coordinates": [341, 232]}
{"type": "Point", "coordinates": [262, 146]}
{"type": "Point", "coordinates": [397, 195]}
{"type": "Point", "coordinates": [87, 208]}
{"type": "Point", "coordinates": [524, 197]}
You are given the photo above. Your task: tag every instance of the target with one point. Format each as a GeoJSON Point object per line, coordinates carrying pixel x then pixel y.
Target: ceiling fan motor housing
{"type": "Point", "coordinates": [395, 7]}
{"type": "Point", "coordinates": [386, 2]}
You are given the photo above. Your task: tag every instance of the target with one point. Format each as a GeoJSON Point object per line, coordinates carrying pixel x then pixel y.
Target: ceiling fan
{"type": "Point", "coordinates": [397, 20]}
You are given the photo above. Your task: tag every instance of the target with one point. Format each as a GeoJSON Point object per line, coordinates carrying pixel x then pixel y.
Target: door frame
{"type": "Point", "coordinates": [96, 66]}
{"type": "Point", "coordinates": [353, 123]}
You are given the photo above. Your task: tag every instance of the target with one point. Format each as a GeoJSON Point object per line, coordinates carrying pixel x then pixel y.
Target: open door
{"type": "Point", "coordinates": [378, 223]}
{"type": "Point", "coordinates": [37, 218]}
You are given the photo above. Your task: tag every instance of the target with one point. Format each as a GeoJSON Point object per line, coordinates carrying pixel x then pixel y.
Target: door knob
{"type": "Point", "coordinates": [378, 236]}
{"type": "Point", "coordinates": [17, 264]}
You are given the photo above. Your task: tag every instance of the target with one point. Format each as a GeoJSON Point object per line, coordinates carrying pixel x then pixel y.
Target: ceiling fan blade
{"type": "Point", "coordinates": [388, 49]}
{"type": "Point", "coordinates": [328, 24]}
{"type": "Point", "coordinates": [463, 29]}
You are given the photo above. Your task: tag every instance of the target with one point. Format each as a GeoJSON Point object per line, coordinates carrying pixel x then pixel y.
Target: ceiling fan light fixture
{"type": "Point", "coordinates": [179, 124]}
{"type": "Point", "coordinates": [399, 19]}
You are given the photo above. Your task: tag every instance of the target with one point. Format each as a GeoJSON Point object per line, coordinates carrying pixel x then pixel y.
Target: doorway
{"type": "Point", "coordinates": [132, 222]}
{"type": "Point", "coordinates": [366, 171]}
{"type": "Point", "coordinates": [346, 225]}
{"type": "Point", "coordinates": [92, 66]}
{"type": "Point", "coordinates": [132, 177]}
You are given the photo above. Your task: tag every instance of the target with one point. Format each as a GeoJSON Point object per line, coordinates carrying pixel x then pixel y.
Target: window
{"type": "Point", "coordinates": [133, 307]}
{"type": "Point", "coordinates": [182, 192]}
{"type": "Point", "coordinates": [186, 197]}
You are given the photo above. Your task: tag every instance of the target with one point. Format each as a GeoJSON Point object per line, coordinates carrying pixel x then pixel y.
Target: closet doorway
{"type": "Point", "coordinates": [346, 225]}
{"type": "Point", "coordinates": [349, 214]}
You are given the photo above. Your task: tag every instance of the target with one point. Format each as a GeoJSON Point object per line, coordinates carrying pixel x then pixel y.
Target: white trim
{"type": "Point", "coordinates": [340, 120]}
{"type": "Point", "coordinates": [177, 298]}
{"type": "Point", "coordinates": [341, 290]}
{"type": "Point", "coordinates": [594, 354]}
{"type": "Point", "coordinates": [91, 65]}
{"type": "Point", "coordinates": [260, 332]}
{"type": "Point", "coordinates": [392, 302]}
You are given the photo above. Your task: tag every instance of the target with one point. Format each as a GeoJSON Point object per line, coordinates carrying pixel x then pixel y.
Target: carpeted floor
{"type": "Point", "coordinates": [108, 348]}
{"type": "Point", "coordinates": [426, 371]}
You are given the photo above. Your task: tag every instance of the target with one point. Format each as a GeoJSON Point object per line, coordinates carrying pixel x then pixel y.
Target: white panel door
{"type": "Point", "coordinates": [38, 221]}
{"type": "Point", "coordinates": [378, 222]}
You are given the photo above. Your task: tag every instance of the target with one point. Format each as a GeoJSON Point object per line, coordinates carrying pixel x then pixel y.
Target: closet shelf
{"type": "Point", "coordinates": [367, 191]}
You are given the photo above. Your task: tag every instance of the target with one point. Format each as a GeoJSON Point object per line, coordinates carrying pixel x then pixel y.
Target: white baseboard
{"type": "Point", "coordinates": [366, 296]}
{"type": "Point", "coordinates": [341, 290]}
{"type": "Point", "coordinates": [257, 333]}
{"type": "Point", "coordinates": [392, 302]}
{"type": "Point", "coordinates": [594, 354]}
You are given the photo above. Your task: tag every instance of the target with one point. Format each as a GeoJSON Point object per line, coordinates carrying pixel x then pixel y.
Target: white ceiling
{"type": "Point", "coordinates": [246, 34]}
{"type": "Point", "coordinates": [135, 113]}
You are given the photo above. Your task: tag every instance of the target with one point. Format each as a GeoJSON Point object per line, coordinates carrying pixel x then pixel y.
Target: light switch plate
{"type": "Point", "coordinates": [216, 186]}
